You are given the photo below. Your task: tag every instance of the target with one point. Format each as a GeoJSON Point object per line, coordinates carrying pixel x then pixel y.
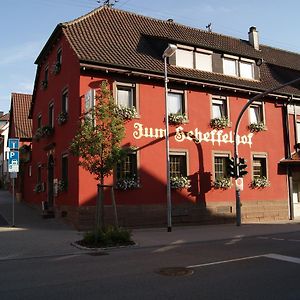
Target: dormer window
{"type": "Point", "coordinates": [235, 66]}
{"type": "Point", "coordinates": [203, 60]}
{"type": "Point", "coordinates": [185, 57]}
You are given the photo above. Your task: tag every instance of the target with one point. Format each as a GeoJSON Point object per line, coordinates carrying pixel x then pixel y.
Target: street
{"type": "Point", "coordinates": [261, 267]}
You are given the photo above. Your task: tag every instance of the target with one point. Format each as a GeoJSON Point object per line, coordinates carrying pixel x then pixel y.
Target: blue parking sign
{"type": "Point", "coordinates": [13, 161]}
{"type": "Point", "coordinates": [13, 144]}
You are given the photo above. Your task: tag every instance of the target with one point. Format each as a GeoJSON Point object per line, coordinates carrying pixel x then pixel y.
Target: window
{"type": "Point", "coordinates": [235, 66]}
{"type": "Point", "coordinates": [246, 69]}
{"type": "Point", "coordinates": [64, 170]}
{"type": "Point", "coordinates": [230, 66]}
{"type": "Point", "coordinates": [51, 115]}
{"type": "Point", "coordinates": [220, 165]}
{"type": "Point", "coordinates": [256, 114]}
{"type": "Point", "coordinates": [39, 121]}
{"type": "Point", "coordinates": [176, 102]}
{"type": "Point", "coordinates": [128, 167]}
{"type": "Point", "coordinates": [59, 56]}
{"type": "Point", "coordinates": [178, 164]}
{"type": "Point", "coordinates": [259, 166]}
{"type": "Point", "coordinates": [89, 103]}
{"type": "Point", "coordinates": [203, 61]}
{"type": "Point", "coordinates": [298, 131]}
{"type": "Point", "coordinates": [64, 101]}
{"type": "Point", "coordinates": [219, 107]}
{"type": "Point", "coordinates": [185, 58]}
{"type": "Point", "coordinates": [126, 95]}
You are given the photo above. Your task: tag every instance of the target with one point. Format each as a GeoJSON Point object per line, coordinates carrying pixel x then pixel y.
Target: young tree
{"type": "Point", "coordinates": [98, 143]}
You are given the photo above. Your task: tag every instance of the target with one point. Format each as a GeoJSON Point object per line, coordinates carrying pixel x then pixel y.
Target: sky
{"type": "Point", "coordinates": [25, 26]}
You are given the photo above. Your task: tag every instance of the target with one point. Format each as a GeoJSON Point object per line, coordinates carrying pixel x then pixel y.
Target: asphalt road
{"type": "Point", "coordinates": [265, 267]}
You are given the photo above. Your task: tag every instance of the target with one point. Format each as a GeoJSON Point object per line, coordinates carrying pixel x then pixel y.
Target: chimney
{"type": "Point", "coordinates": [253, 37]}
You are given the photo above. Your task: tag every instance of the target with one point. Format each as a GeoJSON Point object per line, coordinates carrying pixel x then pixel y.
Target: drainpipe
{"type": "Point", "coordinates": [288, 156]}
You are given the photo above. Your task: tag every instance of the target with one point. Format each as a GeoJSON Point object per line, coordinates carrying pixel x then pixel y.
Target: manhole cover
{"type": "Point", "coordinates": [175, 271]}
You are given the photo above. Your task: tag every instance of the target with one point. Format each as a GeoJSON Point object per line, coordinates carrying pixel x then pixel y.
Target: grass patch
{"type": "Point", "coordinates": [110, 237]}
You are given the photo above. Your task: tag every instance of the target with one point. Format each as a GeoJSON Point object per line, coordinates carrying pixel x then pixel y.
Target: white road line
{"type": "Point", "coordinates": [225, 261]}
{"type": "Point", "coordinates": [278, 239]}
{"type": "Point", "coordinates": [263, 237]}
{"type": "Point", "coordinates": [293, 240]}
{"type": "Point", "coordinates": [295, 260]}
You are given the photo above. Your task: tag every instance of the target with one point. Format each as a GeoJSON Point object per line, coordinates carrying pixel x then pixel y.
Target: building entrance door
{"type": "Point", "coordinates": [296, 199]}
{"type": "Point", "coordinates": [50, 181]}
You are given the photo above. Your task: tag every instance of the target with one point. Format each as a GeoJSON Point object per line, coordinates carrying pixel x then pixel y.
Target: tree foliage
{"type": "Point", "coordinates": [99, 136]}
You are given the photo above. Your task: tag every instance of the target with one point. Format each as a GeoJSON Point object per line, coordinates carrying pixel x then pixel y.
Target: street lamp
{"type": "Point", "coordinates": [170, 50]}
{"type": "Point", "coordinates": [235, 145]}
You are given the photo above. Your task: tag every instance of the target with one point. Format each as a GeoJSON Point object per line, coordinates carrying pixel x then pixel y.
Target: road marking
{"type": "Point", "coordinates": [293, 240]}
{"type": "Point", "coordinates": [278, 239]}
{"type": "Point", "coordinates": [263, 237]}
{"type": "Point", "coordinates": [295, 260]}
{"type": "Point", "coordinates": [270, 255]}
{"type": "Point", "coordinates": [225, 261]}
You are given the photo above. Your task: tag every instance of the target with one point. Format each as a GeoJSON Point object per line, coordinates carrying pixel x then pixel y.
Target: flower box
{"type": "Point", "coordinates": [56, 67]}
{"type": "Point", "coordinates": [48, 130]}
{"type": "Point", "coordinates": [260, 182]}
{"type": "Point", "coordinates": [180, 183]}
{"type": "Point", "coordinates": [38, 134]}
{"type": "Point", "coordinates": [219, 123]}
{"type": "Point", "coordinates": [62, 118]}
{"type": "Point", "coordinates": [126, 113]}
{"type": "Point", "coordinates": [177, 118]}
{"type": "Point", "coordinates": [257, 127]}
{"type": "Point", "coordinates": [222, 183]}
{"type": "Point", "coordinates": [62, 185]}
{"type": "Point", "coordinates": [127, 183]}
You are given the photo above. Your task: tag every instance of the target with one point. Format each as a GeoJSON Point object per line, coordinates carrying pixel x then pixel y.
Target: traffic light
{"type": "Point", "coordinates": [242, 167]}
{"type": "Point", "coordinates": [230, 167]}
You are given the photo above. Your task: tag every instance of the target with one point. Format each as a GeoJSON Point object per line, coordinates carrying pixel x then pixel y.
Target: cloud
{"type": "Point", "coordinates": [19, 53]}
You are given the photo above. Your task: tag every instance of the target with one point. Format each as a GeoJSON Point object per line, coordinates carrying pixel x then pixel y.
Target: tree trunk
{"type": "Point", "coordinates": [100, 206]}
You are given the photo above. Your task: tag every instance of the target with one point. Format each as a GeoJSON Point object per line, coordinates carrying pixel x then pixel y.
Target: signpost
{"type": "Point", "coordinates": [13, 168]}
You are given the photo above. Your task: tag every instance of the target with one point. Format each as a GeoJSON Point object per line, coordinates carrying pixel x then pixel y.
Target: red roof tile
{"type": "Point", "coordinates": [20, 105]}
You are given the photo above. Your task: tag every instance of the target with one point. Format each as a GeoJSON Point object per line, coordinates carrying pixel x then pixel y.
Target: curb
{"type": "Point", "coordinates": [76, 245]}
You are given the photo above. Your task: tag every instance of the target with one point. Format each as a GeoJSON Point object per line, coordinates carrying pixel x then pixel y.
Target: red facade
{"type": "Point", "coordinates": [201, 146]}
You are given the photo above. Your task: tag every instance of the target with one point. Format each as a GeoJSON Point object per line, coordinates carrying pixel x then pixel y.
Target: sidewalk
{"type": "Point", "coordinates": [34, 236]}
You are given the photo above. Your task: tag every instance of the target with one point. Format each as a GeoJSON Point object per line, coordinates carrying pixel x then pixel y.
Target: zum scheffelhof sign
{"type": "Point", "coordinates": [197, 136]}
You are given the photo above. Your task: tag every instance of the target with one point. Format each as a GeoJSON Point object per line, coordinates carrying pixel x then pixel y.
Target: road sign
{"type": "Point", "coordinates": [13, 144]}
{"type": "Point", "coordinates": [239, 184]}
{"type": "Point", "coordinates": [13, 161]}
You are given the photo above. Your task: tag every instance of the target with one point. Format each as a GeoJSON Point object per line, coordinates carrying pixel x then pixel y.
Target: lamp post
{"type": "Point", "coordinates": [250, 101]}
{"type": "Point", "coordinates": [170, 50]}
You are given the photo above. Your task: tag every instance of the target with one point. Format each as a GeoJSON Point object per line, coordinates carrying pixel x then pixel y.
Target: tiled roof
{"type": "Point", "coordinates": [20, 105]}
{"type": "Point", "coordinates": [4, 117]}
{"type": "Point", "coordinates": [115, 38]}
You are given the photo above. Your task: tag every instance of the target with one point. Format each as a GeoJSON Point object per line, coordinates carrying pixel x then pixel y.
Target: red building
{"type": "Point", "coordinates": [211, 78]}
{"type": "Point", "coordinates": [20, 126]}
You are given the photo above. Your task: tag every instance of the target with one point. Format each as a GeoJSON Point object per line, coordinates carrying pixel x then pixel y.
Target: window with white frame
{"type": "Point", "coordinates": [51, 115]}
{"type": "Point", "coordinates": [259, 166]}
{"type": "Point", "coordinates": [220, 165]}
{"type": "Point", "coordinates": [178, 164]}
{"type": "Point", "coordinates": [64, 101]}
{"type": "Point", "coordinates": [256, 113]}
{"type": "Point", "coordinates": [185, 58]}
{"type": "Point", "coordinates": [176, 102]}
{"type": "Point", "coordinates": [127, 168]}
{"type": "Point", "coordinates": [126, 95]}
{"type": "Point", "coordinates": [298, 131]}
{"type": "Point", "coordinates": [203, 60]}
{"type": "Point", "coordinates": [230, 66]}
{"type": "Point", "coordinates": [246, 69]}
{"type": "Point", "coordinates": [89, 103]}
{"type": "Point", "coordinates": [219, 107]}
{"type": "Point", "coordinates": [235, 66]}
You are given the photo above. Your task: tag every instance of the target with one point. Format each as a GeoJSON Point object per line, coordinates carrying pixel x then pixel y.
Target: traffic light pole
{"type": "Point", "coordinates": [235, 144]}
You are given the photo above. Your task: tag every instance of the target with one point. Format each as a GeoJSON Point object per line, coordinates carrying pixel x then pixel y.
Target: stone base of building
{"type": "Point", "coordinates": [133, 216]}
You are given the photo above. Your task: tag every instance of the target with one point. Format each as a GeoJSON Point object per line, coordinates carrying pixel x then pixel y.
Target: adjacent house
{"type": "Point", "coordinates": [4, 125]}
{"type": "Point", "coordinates": [20, 127]}
{"type": "Point", "coordinates": [210, 79]}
